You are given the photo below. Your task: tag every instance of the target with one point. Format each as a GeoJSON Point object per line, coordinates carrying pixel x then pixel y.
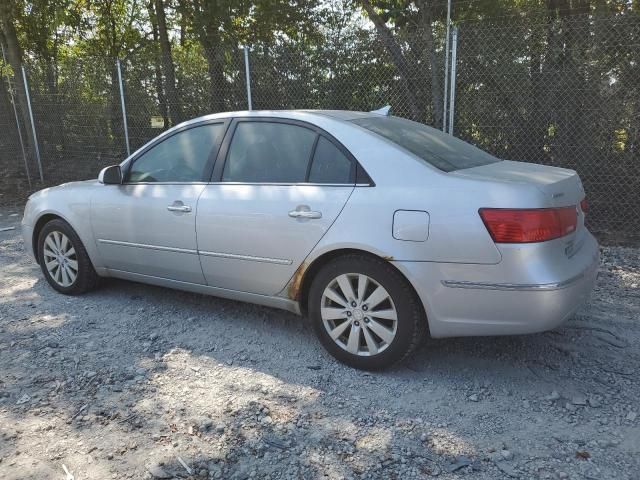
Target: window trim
{"type": "Point", "coordinates": [353, 172]}
{"type": "Point", "coordinates": [312, 155]}
{"type": "Point", "coordinates": [208, 168]}
{"type": "Point", "coordinates": [223, 155]}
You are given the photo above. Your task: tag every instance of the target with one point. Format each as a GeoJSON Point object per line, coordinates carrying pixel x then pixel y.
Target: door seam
{"type": "Point", "coordinates": [284, 288]}
{"type": "Point", "coordinates": [195, 226]}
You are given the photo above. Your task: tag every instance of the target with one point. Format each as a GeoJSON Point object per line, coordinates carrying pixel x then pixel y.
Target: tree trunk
{"type": "Point", "coordinates": [212, 47]}
{"type": "Point", "coordinates": [14, 57]}
{"type": "Point", "coordinates": [434, 66]}
{"type": "Point", "coordinates": [397, 58]}
{"type": "Point", "coordinates": [162, 103]}
{"type": "Point", "coordinates": [184, 21]}
{"type": "Point", "coordinates": [575, 139]}
{"type": "Point", "coordinates": [55, 120]}
{"type": "Point", "coordinates": [168, 68]}
{"type": "Point", "coordinates": [215, 68]}
{"type": "Point", "coordinates": [535, 130]}
{"type": "Point", "coordinates": [206, 19]}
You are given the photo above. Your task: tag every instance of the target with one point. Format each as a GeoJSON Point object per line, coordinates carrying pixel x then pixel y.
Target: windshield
{"type": "Point", "coordinates": [433, 146]}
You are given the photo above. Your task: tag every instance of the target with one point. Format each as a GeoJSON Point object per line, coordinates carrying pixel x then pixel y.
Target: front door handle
{"type": "Point", "coordinates": [179, 207]}
{"type": "Point", "coordinates": [303, 211]}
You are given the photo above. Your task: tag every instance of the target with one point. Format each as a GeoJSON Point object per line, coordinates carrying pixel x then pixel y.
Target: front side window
{"type": "Point", "coordinates": [433, 146]}
{"type": "Point", "coordinates": [180, 158]}
{"type": "Point", "coordinates": [266, 152]}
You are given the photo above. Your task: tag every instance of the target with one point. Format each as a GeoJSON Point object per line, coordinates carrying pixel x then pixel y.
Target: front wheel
{"type": "Point", "coordinates": [364, 312]}
{"type": "Point", "coordinates": [64, 260]}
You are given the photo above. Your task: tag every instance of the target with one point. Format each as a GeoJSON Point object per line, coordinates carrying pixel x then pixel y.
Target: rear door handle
{"type": "Point", "coordinates": [179, 207]}
{"type": "Point", "coordinates": [304, 211]}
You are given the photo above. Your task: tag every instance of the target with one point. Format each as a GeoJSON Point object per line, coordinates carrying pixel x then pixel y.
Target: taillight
{"type": "Point", "coordinates": [584, 206]}
{"type": "Point", "coordinates": [508, 225]}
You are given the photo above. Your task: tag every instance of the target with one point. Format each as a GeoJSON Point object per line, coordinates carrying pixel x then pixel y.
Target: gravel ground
{"type": "Point", "coordinates": [134, 381]}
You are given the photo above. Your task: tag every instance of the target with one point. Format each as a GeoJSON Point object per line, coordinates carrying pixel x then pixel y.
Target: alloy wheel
{"type": "Point", "coordinates": [60, 258]}
{"type": "Point", "coordinates": [359, 314]}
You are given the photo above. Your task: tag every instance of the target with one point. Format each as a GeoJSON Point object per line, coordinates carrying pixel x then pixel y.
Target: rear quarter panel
{"type": "Point", "coordinates": [404, 182]}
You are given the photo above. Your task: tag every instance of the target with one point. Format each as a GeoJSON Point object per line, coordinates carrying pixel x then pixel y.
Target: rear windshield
{"type": "Point", "coordinates": [433, 146]}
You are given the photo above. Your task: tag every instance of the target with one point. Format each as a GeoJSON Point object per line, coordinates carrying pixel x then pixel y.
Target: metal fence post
{"type": "Point", "coordinates": [15, 114]}
{"type": "Point", "coordinates": [124, 109]}
{"type": "Point", "coordinates": [33, 125]}
{"type": "Point", "coordinates": [247, 76]}
{"type": "Point", "coordinates": [446, 68]}
{"type": "Point", "coordinates": [452, 98]}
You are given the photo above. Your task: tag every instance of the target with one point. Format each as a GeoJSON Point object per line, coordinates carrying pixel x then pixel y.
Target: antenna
{"type": "Point", "coordinates": [384, 111]}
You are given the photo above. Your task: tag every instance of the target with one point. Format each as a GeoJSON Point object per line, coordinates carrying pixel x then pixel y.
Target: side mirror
{"type": "Point", "coordinates": [110, 175]}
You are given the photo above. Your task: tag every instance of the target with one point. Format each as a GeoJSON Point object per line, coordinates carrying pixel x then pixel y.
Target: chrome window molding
{"type": "Point", "coordinates": [302, 184]}
{"type": "Point", "coordinates": [164, 183]}
{"type": "Point", "coordinates": [293, 184]}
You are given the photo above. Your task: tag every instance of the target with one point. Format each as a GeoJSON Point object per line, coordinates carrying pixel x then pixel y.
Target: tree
{"type": "Point", "coordinates": [115, 34]}
{"type": "Point", "coordinates": [13, 52]}
{"type": "Point", "coordinates": [397, 57]}
{"type": "Point", "coordinates": [413, 22]}
{"type": "Point", "coordinates": [173, 102]}
{"type": "Point", "coordinates": [222, 26]}
{"type": "Point", "coordinates": [157, 64]}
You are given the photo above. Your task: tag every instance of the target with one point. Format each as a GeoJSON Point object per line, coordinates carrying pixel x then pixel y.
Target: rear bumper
{"type": "Point", "coordinates": [472, 300]}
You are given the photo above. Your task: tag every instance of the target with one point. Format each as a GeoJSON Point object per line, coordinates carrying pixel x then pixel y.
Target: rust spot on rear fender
{"type": "Point", "coordinates": [388, 258]}
{"type": "Point", "coordinates": [296, 282]}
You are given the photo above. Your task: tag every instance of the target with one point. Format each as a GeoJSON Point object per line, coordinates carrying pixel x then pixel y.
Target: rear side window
{"type": "Point", "coordinates": [433, 146]}
{"type": "Point", "coordinates": [329, 165]}
{"type": "Point", "coordinates": [267, 152]}
{"type": "Point", "coordinates": [180, 158]}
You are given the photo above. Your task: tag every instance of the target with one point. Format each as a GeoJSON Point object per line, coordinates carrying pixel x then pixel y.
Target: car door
{"type": "Point", "coordinates": [147, 225]}
{"type": "Point", "coordinates": [279, 185]}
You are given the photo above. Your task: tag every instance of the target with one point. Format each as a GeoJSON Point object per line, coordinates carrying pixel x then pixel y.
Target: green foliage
{"type": "Point", "coordinates": [551, 81]}
{"type": "Point", "coordinates": [5, 70]}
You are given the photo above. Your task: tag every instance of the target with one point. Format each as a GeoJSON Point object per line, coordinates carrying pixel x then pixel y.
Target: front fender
{"type": "Point", "coordinates": [70, 202]}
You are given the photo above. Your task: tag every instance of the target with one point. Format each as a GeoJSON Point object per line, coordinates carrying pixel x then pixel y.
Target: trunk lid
{"type": "Point", "coordinates": [561, 186]}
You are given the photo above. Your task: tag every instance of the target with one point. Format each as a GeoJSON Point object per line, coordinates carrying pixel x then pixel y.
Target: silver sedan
{"type": "Point", "coordinates": [379, 229]}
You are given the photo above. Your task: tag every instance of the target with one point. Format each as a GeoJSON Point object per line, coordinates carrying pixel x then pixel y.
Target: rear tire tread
{"type": "Point", "coordinates": [410, 302]}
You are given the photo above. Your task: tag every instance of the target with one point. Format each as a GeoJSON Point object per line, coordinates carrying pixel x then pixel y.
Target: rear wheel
{"type": "Point", "coordinates": [364, 312]}
{"type": "Point", "coordinates": [64, 260]}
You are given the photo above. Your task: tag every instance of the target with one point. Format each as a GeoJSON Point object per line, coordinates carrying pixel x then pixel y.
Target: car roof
{"type": "Point", "coordinates": [340, 115]}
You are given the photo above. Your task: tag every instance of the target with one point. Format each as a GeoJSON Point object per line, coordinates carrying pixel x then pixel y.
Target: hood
{"type": "Point", "coordinates": [64, 187]}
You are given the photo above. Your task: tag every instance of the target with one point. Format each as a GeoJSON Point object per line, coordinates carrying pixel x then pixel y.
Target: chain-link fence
{"type": "Point", "coordinates": [562, 91]}
{"type": "Point", "coordinates": [13, 157]}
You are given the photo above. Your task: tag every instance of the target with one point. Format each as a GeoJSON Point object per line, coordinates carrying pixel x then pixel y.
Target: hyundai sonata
{"type": "Point", "coordinates": [379, 229]}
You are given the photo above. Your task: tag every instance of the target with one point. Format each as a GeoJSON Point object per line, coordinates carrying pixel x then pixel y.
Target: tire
{"type": "Point", "coordinates": [51, 241]}
{"type": "Point", "coordinates": [376, 348]}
